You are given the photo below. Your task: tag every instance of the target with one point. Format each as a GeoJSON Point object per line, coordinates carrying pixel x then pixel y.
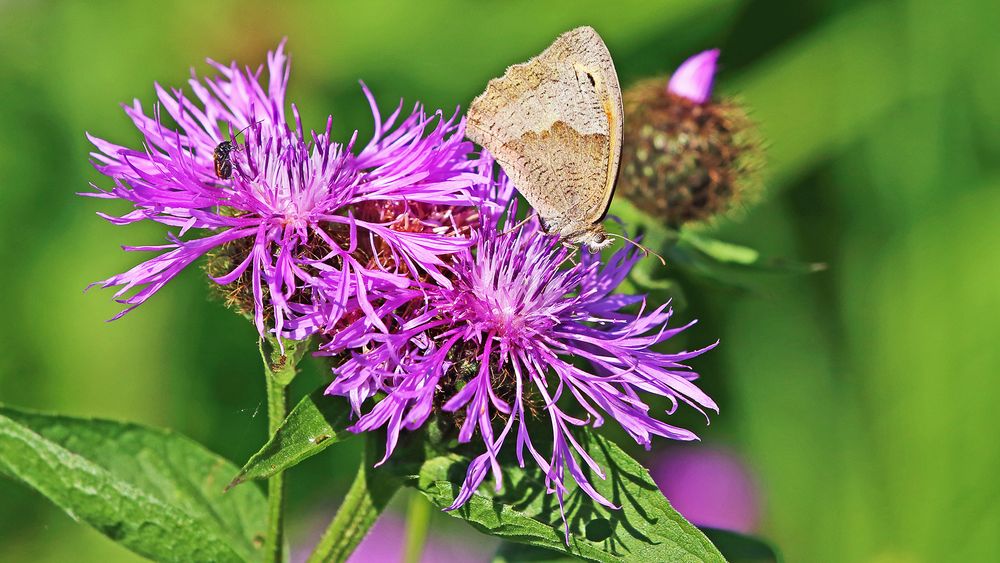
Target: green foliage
{"type": "Point", "coordinates": [282, 358]}
{"type": "Point", "coordinates": [741, 548]}
{"type": "Point", "coordinates": [727, 264]}
{"type": "Point", "coordinates": [510, 552]}
{"type": "Point", "coordinates": [694, 251]}
{"type": "Point", "coordinates": [646, 528]}
{"type": "Point", "coordinates": [154, 491]}
{"type": "Point", "coordinates": [735, 547]}
{"type": "Point", "coordinates": [316, 423]}
{"type": "Point", "coordinates": [729, 254]}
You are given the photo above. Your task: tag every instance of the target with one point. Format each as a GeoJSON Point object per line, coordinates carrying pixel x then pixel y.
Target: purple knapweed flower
{"type": "Point", "coordinates": [297, 208]}
{"type": "Point", "coordinates": [496, 350]}
{"type": "Point", "coordinates": [693, 79]}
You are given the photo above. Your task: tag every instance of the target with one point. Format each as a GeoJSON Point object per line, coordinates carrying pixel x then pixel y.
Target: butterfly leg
{"type": "Point", "coordinates": [520, 224]}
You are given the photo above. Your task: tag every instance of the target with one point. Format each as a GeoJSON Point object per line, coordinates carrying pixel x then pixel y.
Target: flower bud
{"type": "Point", "coordinates": [686, 157]}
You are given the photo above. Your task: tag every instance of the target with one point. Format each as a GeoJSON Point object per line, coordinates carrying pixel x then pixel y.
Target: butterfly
{"type": "Point", "coordinates": [554, 124]}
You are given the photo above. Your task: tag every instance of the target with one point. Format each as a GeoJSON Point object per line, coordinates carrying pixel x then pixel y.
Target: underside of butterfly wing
{"type": "Point", "coordinates": [554, 125]}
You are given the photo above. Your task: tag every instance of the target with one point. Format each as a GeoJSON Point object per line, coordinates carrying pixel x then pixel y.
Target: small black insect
{"type": "Point", "coordinates": [223, 165]}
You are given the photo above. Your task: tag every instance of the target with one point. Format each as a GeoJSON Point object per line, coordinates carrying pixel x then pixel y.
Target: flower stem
{"type": "Point", "coordinates": [418, 520]}
{"type": "Point", "coordinates": [276, 407]}
{"type": "Point", "coordinates": [279, 370]}
{"type": "Point", "coordinates": [368, 496]}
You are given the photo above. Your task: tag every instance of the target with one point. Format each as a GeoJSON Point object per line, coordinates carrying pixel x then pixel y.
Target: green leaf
{"type": "Point", "coordinates": [722, 251]}
{"type": "Point", "coordinates": [316, 423]}
{"type": "Point", "coordinates": [726, 253]}
{"type": "Point", "coordinates": [155, 492]}
{"type": "Point", "coordinates": [740, 548]}
{"type": "Point", "coordinates": [727, 264]}
{"type": "Point", "coordinates": [646, 528]}
{"type": "Point", "coordinates": [510, 552]}
{"type": "Point", "coordinates": [282, 357]}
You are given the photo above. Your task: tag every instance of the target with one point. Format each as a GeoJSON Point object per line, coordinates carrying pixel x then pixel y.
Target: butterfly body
{"type": "Point", "coordinates": [554, 124]}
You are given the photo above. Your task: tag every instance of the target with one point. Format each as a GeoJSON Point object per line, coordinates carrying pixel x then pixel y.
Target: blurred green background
{"type": "Point", "coordinates": [864, 398]}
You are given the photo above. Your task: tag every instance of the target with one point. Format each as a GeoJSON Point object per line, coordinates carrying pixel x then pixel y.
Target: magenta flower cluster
{"type": "Point", "coordinates": [402, 258]}
{"type": "Point", "coordinates": [518, 310]}
{"type": "Point", "coordinates": [302, 204]}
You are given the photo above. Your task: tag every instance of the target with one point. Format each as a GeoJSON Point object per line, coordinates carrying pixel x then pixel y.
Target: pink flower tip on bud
{"type": "Point", "coordinates": [693, 79]}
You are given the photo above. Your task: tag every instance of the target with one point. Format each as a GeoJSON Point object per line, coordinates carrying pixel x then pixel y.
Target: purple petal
{"type": "Point", "coordinates": [693, 79]}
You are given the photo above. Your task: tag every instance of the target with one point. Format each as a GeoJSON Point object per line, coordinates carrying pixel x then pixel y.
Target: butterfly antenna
{"type": "Point", "coordinates": [644, 249]}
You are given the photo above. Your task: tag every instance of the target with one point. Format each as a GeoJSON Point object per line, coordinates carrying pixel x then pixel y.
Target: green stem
{"type": "Point", "coordinates": [368, 496]}
{"type": "Point", "coordinates": [279, 370]}
{"type": "Point", "coordinates": [277, 406]}
{"type": "Point", "coordinates": [418, 520]}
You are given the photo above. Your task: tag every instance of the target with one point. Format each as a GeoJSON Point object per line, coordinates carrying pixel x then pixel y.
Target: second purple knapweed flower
{"type": "Point", "coordinates": [496, 351]}
{"type": "Point", "coordinates": [304, 227]}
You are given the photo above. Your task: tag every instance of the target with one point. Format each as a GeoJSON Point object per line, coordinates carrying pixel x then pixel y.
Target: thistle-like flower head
{"type": "Point", "coordinates": [291, 208]}
{"type": "Point", "coordinates": [498, 349]}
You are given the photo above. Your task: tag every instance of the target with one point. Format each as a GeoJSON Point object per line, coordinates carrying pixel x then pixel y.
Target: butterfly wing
{"type": "Point", "coordinates": [555, 125]}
